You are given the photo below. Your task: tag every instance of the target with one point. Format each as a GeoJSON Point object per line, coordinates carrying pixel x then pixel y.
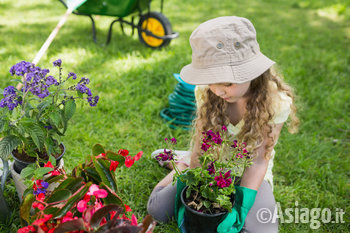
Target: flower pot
{"type": "Point", "coordinates": [197, 222]}
{"type": "Point", "coordinates": [19, 182]}
{"type": "Point", "coordinates": [20, 164]}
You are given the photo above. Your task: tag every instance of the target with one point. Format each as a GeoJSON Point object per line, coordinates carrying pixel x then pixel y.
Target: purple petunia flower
{"type": "Point", "coordinates": [205, 146]}
{"type": "Point", "coordinates": [173, 140]}
{"type": "Point", "coordinates": [58, 63]}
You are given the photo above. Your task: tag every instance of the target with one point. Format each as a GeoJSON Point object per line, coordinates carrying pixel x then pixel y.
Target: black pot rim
{"type": "Point", "coordinates": [26, 162]}
{"type": "Point", "coordinates": [196, 212]}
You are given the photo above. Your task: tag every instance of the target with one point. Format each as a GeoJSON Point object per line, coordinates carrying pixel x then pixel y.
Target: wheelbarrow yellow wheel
{"type": "Point", "coordinates": [158, 25]}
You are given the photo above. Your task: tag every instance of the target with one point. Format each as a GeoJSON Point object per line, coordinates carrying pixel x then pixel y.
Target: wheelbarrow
{"type": "Point", "coordinates": [154, 29]}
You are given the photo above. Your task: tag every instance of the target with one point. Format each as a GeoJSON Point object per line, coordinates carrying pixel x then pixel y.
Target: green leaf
{"type": "Point", "coordinates": [51, 210]}
{"type": "Point", "coordinates": [207, 204]}
{"type": "Point", "coordinates": [26, 205]}
{"type": "Point", "coordinates": [72, 201]}
{"type": "Point", "coordinates": [52, 179]}
{"type": "Point", "coordinates": [38, 136]}
{"type": "Point", "coordinates": [97, 149]}
{"type": "Point", "coordinates": [112, 197]}
{"type": "Point", "coordinates": [59, 195]}
{"type": "Point", "coordinates": [1, 91]}
{"type": "Point", "coordinates": [41, 171]}
{"type": "Point", "coordinates": [102, 167]}
{"type": "Point", "coordinates": [188, 192]}
{"type": "Point", "coordinates": [41, 107]}
{"type": "Point", "coordinates": [27, 172]}
{"type": "Point", "coordinates": [7, 145]}
{"type": "Point", "coordinates": [116, 157]}
{"type": "Point", "coordinates": [69, 109]}
{"type": "Point", "coordinates": [71, 183]}
{"type": "Point", "coordinates": [2, 124]}
{"type": "Point", "coordinates": [55, 118]}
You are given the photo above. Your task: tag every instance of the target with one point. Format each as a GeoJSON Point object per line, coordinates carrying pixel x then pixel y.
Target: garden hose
{"type": "Point", "coordinates": [182, 107]}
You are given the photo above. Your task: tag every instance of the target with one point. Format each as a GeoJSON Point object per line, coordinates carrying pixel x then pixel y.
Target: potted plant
{"type": "Point", "coordinates": [210, 188]}
{"type": "Point", "coordinates": [85, 200]}
{"type": "Point", "coordinates": [34, 117]}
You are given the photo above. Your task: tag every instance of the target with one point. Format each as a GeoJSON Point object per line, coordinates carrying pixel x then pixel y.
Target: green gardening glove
{"type": "Point", "coordinates": [234, 221]}
{"type": "Point", "coordinates": [179, 207]}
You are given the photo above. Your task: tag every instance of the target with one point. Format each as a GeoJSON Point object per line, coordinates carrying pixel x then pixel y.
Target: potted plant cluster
{"type": "Point", "coordinates": [210, 188]}
{"type": "Point", "coordinates": [84, 201]}
{"type": "Point", "coordinates": [35, 115]}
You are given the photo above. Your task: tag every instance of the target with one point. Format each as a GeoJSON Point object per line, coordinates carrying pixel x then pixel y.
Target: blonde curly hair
{"type": "Point", "coordinates": [211, 115]}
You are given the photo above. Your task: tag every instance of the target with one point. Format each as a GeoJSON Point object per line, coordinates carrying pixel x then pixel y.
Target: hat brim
{"type": "Point", "coordinates": [237, 73]}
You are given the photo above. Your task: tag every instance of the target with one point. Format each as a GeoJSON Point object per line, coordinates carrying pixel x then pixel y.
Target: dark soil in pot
{"type": "Point", "coordinates": [203, 220]}
{"type": "Point", "coordinates": [22, 159]}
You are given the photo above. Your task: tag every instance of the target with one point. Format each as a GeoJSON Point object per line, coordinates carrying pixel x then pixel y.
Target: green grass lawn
{"type": "Point", "coordinates": [308, 39]}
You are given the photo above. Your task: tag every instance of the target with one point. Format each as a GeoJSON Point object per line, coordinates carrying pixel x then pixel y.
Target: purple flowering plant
{"type": "Point", "coordinates": [211, 185]}
{"type": "Point", "coordinates": [35, 115]}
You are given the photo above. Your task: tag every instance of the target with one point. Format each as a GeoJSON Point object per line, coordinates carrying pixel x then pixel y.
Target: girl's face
{"type": "Point", "coordinates": [230, 92]}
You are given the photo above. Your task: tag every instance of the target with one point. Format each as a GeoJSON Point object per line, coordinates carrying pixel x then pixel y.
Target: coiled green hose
{"type": "Point", "coordinates": [182, 107]}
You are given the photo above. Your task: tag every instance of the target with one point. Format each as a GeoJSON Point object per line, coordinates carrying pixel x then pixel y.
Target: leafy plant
{"type": "Point", "coordinates": [84, 201]}
{"type": "Point", "coordinates": [33, 119]}
{"type": "Point", "coordinates": [211, 185]}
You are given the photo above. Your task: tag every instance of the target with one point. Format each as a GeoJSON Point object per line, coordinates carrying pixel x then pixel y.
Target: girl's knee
{"type": "Point", "coordinates": [161, 210]}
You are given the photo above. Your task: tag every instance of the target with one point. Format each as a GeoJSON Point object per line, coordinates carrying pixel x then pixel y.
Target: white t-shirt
{"type": "Point", "coordinates": [281, 107]}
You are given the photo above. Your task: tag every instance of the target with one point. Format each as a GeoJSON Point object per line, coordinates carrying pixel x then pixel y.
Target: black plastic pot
{"type": "Point", "coordinates": [19, 164]}
{"type": "Point", "coordinates": [197, 222]}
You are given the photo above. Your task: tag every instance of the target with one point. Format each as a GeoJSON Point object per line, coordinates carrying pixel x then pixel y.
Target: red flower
{"type": "Point", "coordinates": [133, 220]}
{"type": "Point", "coordinates": [113, 166]}
{"type": "Point", "coordinates": [26, 229]}
{"type": "Point", "coordinates": [123, 152]}
{"type": "Point", "coordinates": [38, 205]}
{"type": "Point", "coordinates": [101, 155]}
{"type": "Point", "coordinates": [48, 164]}
{"type": "Point", "coordinates": [40, 197]}
{"type": "Point", "coordinates": [138, 156]}
{"type": "Point", "coordinates": [129, 161]}
{"type": "Point", "coordinates": [41, 221]}
{"type": "Point", "coordinates": [127, 208]}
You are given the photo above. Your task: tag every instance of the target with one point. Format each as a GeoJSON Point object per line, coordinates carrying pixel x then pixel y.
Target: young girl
{"type": "Point", "coordinates": [236, 86]}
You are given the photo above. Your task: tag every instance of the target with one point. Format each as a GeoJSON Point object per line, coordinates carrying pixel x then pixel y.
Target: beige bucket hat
{"type": "Point", "coordinates": [225, 50]}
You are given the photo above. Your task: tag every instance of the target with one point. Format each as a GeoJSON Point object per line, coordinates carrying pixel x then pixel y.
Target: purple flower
{"type": "Point", "coordinates": [51, 81]}
{"type": "Point", "coordinates": [93, 100]}
{"type": "Point", "coordinates": [217, 138]}
{"type": "Point", "coordinates": [205, 146]}
{"type": "Point", "coordinates": [211, 168]}
{"type": "Point", "coordinates": [224, 128]}
{"type": "Point", "coordinates": [58, 63]}
{"type": "Point", "coordinates": [167, 155]}
{"type": "Point", "coordinates": [11, 99]}
{"type": "Point", "coordinates": [234, 145]}
{"type": "Point", "coordinates": [173, 140]}
{"type": "Point", "coordinates": [71, 74]}
{"type": "Point", "coordinates": [44, 184]}
{"type": "Point", "coordinates": [223, 182]}
{"type": "Point", "coordinates": [48, 127]}
{"type": "Point", "coordinates": [84, 81]}
{"type": "Point", "coordinates": [21, 68]}
{"type": "Point", "coordinates": [38, 191]}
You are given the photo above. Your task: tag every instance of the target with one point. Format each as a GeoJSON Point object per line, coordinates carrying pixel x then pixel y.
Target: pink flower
{"type": "Point", "coordinates": [101, 193]}
{"type": "Point", "coordinates": [129, 161]}
{"type": "Point", "coordinates": [81, 206]}
{"type": "Point", "coordinates": [138, 156]}
{"type": "Point", "coordinates": [133, 220]}
{"type": "Point", "coordinates": [94, 190]}
{"type": "Point", "coordinates": [224, 128]}
{"type": "Point", "coordinates": [68, 217]}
